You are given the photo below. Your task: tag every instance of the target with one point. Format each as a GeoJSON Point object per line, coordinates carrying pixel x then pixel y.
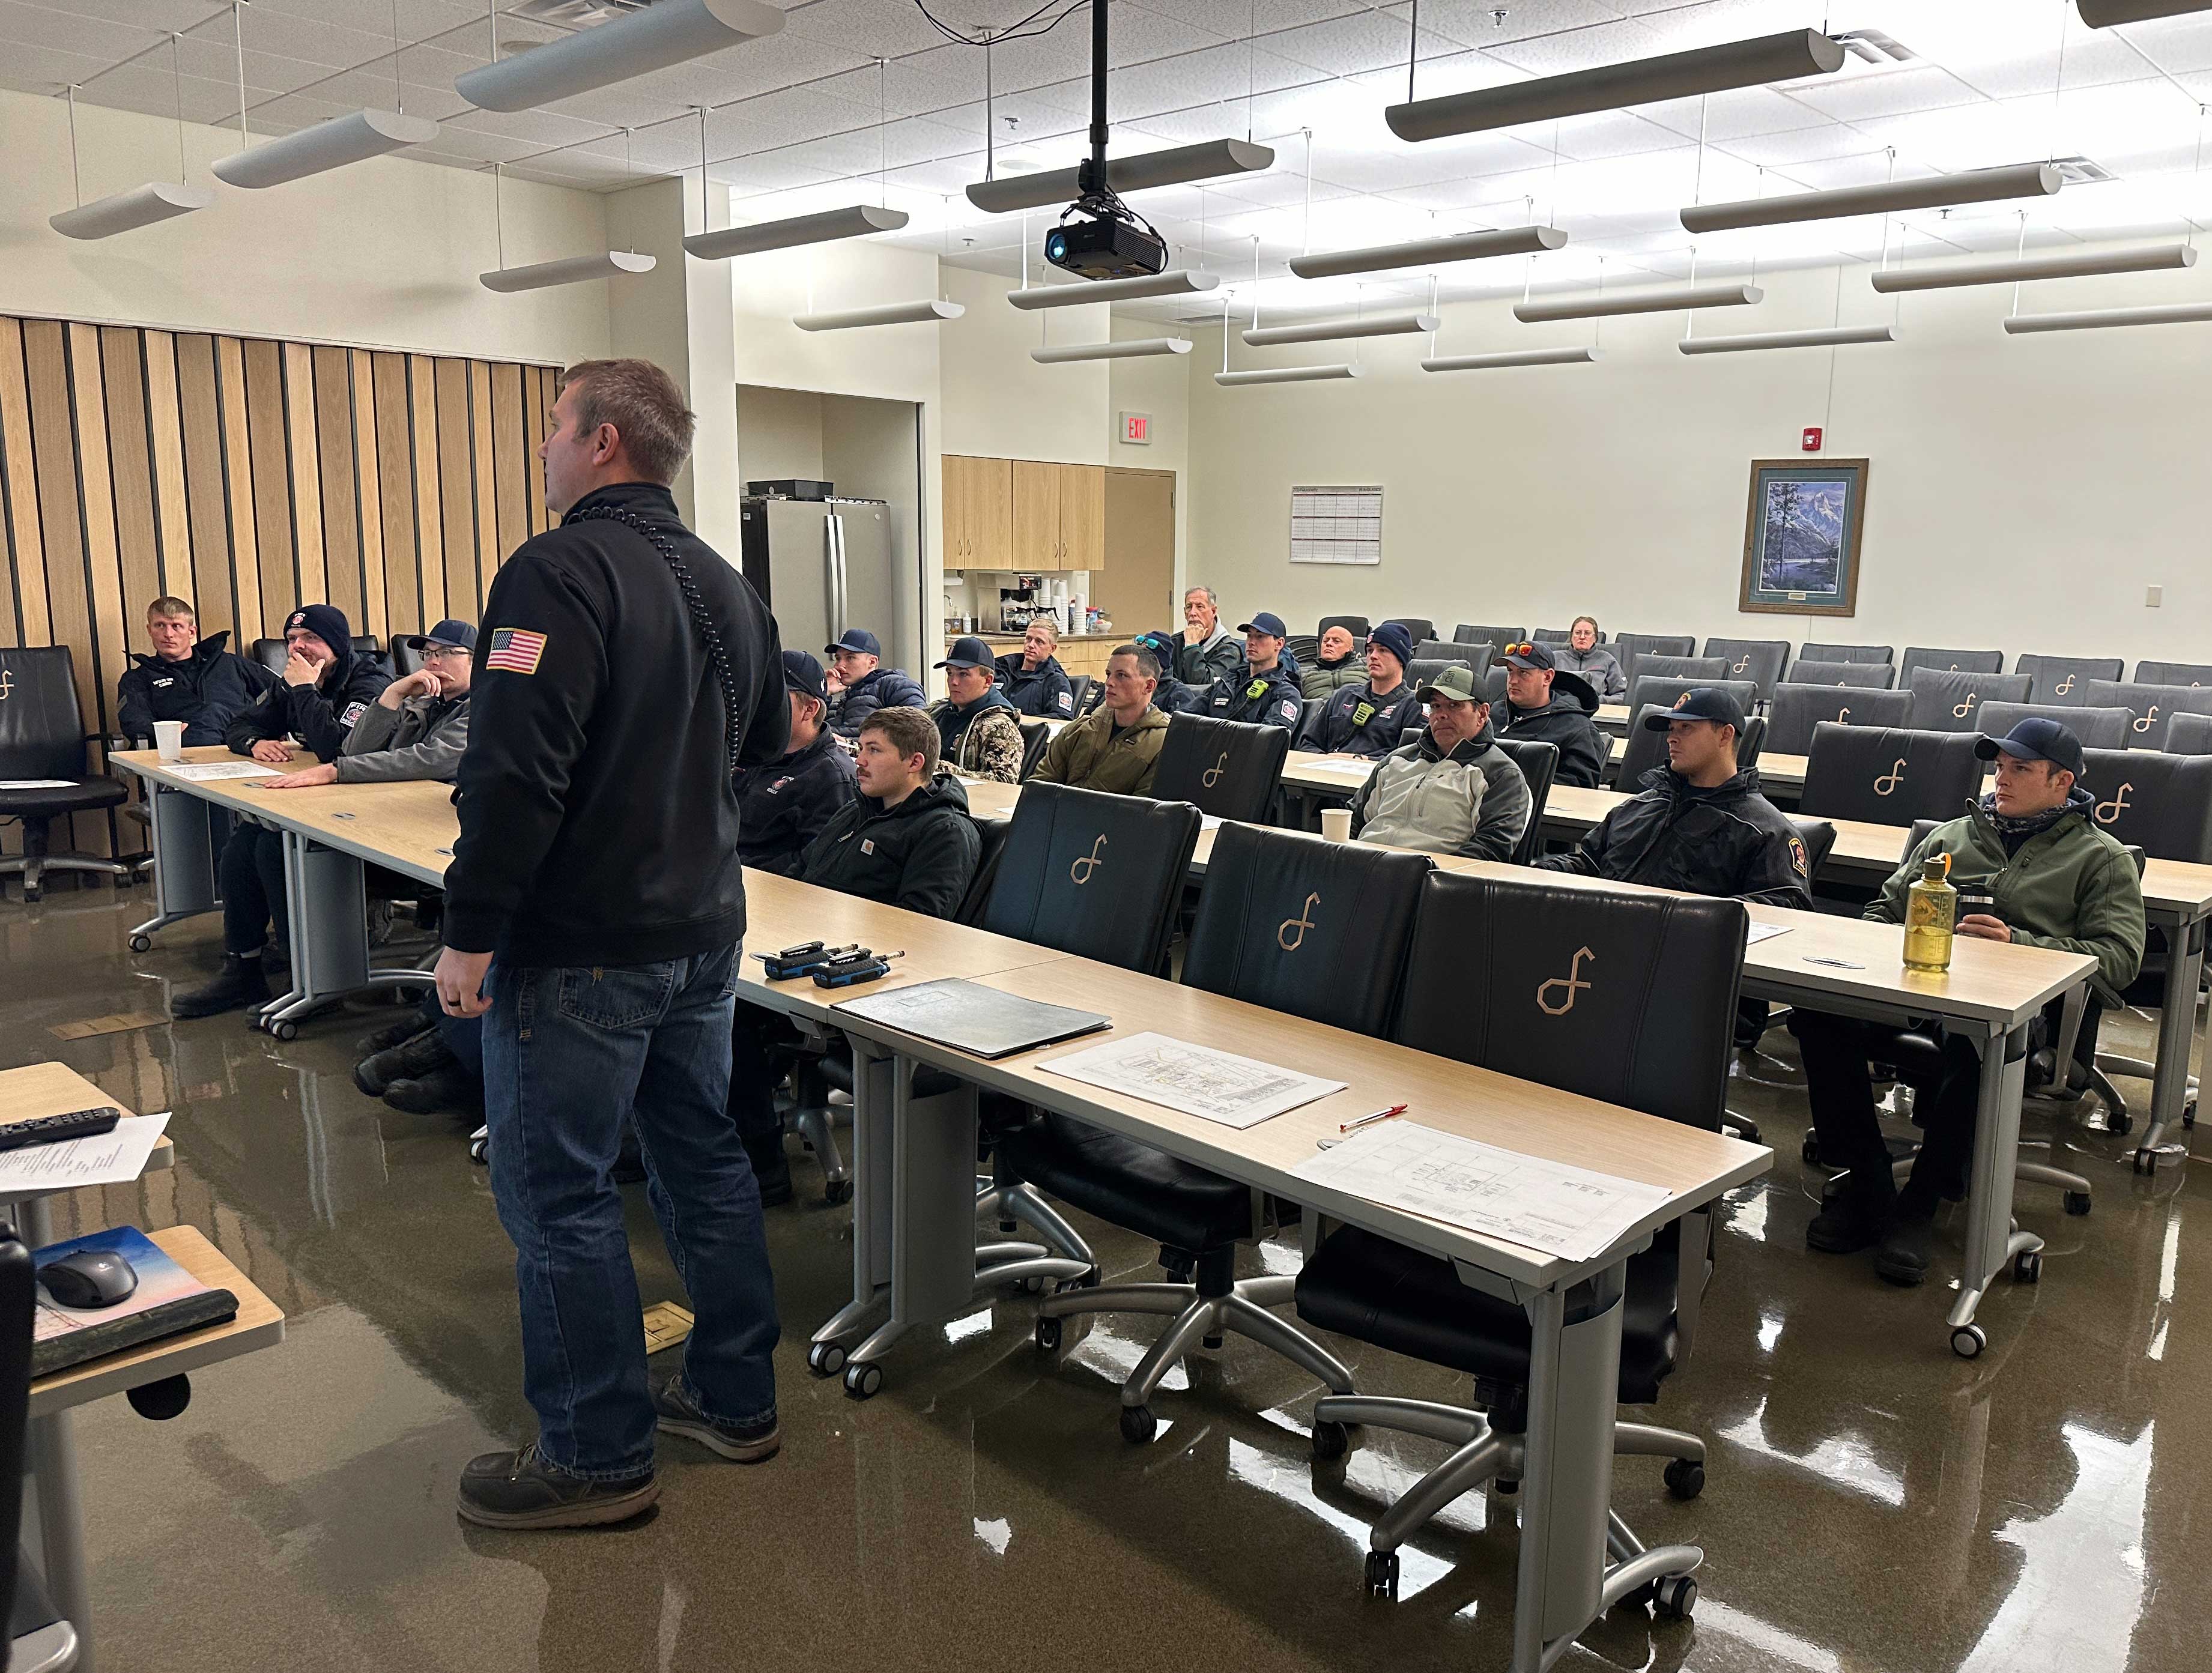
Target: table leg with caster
{"type": "Point", "coordinates": [327, 908]}
{"type": "Point", "coordinates": [1992, 1240]}
{"type": "Point", "coordinates": [2170, 1102]}
{"type": "Point", "coordinates": [183, 860]}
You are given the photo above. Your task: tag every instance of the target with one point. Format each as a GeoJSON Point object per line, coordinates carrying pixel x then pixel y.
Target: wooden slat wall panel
{"type": "Point", "coordinates": [238, 488]}
{"type": "Point", "coordinates": [272, 487]}
{"type": "Point", "coordinates": [129, 458]}
{"type": "Point", "coordinates": [395, 483]}
{"type": "Point", "coordinates": [306, 483]}
{"type": "Point", "coordinates": [456, 490]}
{"type": "Point", "coordinates": [510, 474]}
{"type": "Point", "coordinates": [212, 590]}
{"type": "Point", "coordinates": [26, 543]}
{"type": "Point", "coordinates": [172, 518]}
{"type": "Point", "coordinates": [482, 465]}
{"type": "Point", "coordinates": [429, 499]}
{"type": "Point", "coordinates": [340, 498]}
{"type": "Point", "coordinates": [68, 604]}
{"type": "Point", "coordinates": [369, 506]}
{"type": "Point", "coordinates": [103, 560]}
{"type": "Point", "coordinates": [537, 396]}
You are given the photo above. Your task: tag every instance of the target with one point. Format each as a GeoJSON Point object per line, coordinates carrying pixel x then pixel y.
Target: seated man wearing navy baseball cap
{"type": "Point", "coordinates": [417, 727]}
{"type": "Point", "coordinates": [783, 804]}
{"type": "Point", "coordinates": [2057, 880]}
{"type": "Point", "coordinates": [1371, 719]}
{"type": "Point", "coordinates": [1261, 693]}
{"type": "Point", "coordinates": [1698, 823]}
{"type": "Point", "coordinates": [859, 684]}
{"type": "Point", "coordinates": [979, 731]}
{"type": "Point", "coordinates": [1172, 696]}
{"type": "Point", "coordinates": [1545, 704]}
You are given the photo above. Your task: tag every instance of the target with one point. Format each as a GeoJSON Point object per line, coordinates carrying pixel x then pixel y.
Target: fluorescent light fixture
{"type": "Point", "coordinates": [124, 212]}
{"type": "Point", "coordinates": [1593, 304]}
{"type": "Point", "coordinates": [1738, 64]}
{"type": "Point", "coordinates": [1516, 357]}
{"type": "Point", "coordinates": [1176, 281]}
{"type": "Point", "coordinates": [2102, 13]}
{"type": "Point", "coordinates": [858, 222]}
{"type": "Point", "coordinates": [1977, 185]}
{"type": "Point", "coordinates": [569, 270]}
{"type": "Point", "coordinates": [891, 313]}
{"type": "Point", "coordinates": [1841, 336]}
{"type": "Point", "coordinates": [2188, 313]}
{"type": "Point", "coordinates": [327, 145]}
{"type": "Point", "coordinates": [1285, 374]}
{"type": "Point", "coordinates": [1330, 330]}
{"type": "Point", "coordinates": [1431, 252]}
{"type": "Point", "coordinates": [1178, 166]}
{"type": "Point", "coordinates": [2142, 258]}
{"type": "Point", "coordinates": [671, 32]}
{"type": "Point", "coordinates": [1125, 349]}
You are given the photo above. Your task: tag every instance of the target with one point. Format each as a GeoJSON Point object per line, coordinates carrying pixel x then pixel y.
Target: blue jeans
{"type": "Point", "coordinates": [567, 1054]}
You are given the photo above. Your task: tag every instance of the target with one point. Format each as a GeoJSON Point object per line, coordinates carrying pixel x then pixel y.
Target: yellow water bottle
{"type": "Point", "coordinates": [1931, 909]}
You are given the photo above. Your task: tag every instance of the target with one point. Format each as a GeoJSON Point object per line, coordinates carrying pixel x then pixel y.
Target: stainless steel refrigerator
{"type": "Point", "coordinates": [825, 566]}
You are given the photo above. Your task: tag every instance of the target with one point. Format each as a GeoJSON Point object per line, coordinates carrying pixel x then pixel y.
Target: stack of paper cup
{"type": "Point", "coordinates": [169, 739]}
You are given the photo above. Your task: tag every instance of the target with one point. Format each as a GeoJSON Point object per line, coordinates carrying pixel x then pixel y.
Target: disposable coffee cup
{"type": "Point", "coordinates": [1336, 824]}
{"type": "Point", "coordinates": [169, 739]}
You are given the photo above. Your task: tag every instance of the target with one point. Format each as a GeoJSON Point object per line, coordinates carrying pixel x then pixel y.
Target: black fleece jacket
{"type": "Point", "coordinates": [320, 715]}
{"type": "Point", "coordinates": [205, 691]}
{"type": "Point", "coordinates": [919, 855]}
{"type": "Point", "coordinates": [600, 823]}
{"type": "Point", "coordinates": [784, 803]}
{"type": "Point", "coordinates": [1729, 839]}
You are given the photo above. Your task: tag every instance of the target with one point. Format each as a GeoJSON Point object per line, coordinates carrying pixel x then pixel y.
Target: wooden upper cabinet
{"type": "Point", "coordinates": [1060, 515]}
{"type": "Point", "coordinates": [1083, 516]}
{"type": "Point", "coordinates": [979, 512]}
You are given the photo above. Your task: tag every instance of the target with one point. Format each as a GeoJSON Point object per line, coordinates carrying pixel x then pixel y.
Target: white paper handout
{"type": "Point", "coordinates": [1348, 767]}
{"type": "Point", "coordinates": [1194, 1080]}
{"type": "Point", "coordinates": [202, 771]}
{"type": "Point", "coordinates": [105, 1159]}
{"type": "Point", "coordinates": [1762, 932]}
{"type": "Point", "coordinates": [1565, 1211]}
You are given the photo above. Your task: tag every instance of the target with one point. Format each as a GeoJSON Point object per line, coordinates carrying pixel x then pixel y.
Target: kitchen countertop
{"type": "Point", "coordinates": [1016, 639]}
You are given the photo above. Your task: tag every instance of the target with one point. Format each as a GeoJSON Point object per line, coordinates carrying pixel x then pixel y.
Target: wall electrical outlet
{"type": "Point", "coordinates": [2153, 597]}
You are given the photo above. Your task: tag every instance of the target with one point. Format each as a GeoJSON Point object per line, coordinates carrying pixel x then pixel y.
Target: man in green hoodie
{"type": "Point", "coordinates": [2059, 882]}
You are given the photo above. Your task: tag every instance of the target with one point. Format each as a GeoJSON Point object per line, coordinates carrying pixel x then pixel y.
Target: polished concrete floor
{"type": "Point", "coordinates": [1873, 1503]}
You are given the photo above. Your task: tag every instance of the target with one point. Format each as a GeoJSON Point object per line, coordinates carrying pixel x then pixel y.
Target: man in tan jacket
{"type": "Point", "coordinates": [1118, 747]}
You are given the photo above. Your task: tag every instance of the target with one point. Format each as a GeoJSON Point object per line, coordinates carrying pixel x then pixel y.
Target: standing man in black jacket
{"type": "Point", "coordinates": [624, 673]}
{"type": "Point", "coordinates": [784, 803]}
{"type": "Point", "coordinates": [197, 680]}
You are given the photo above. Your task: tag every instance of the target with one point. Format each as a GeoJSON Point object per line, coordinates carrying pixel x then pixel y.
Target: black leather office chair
{"type": "Point", "coordinates": [406, 655]}
{"type": "Point", "coordinates": [2098, 729]}
{"type": "Point", "coordinates": [42, 736]}
{"type": "Point", "coordinates": [1477, 656]}
{"type": "Point", "coordinates": [1084, 693]}
{"type": "Point", "coordinates": [2190, 735]}
{"type": "Point", "coordinates": [1752, 741]}
{"type": "Point", "coordinates": [1307, 711]}
{"type": "Point", "coordinates": [1540, 764]}
{"type": "Point", "coordinates": [1662, 691]}
{"type": "Point", "coordinates": [1424, 670]}
{"type": "Point", "coordinates": [1761, 661]}
{"type": "Point", "coordinates": [1355, 625]}
{"type": "Point", "coordinates": [367, 645]}
{"type": "Point", "coordinates": [1036, 738]}
{"type": "Point", "coordinates": [1224, 767]}
{"type": "Point", "coordinates": [2152, 706]}
{"type": "Point", "coordinates": [1955, 662]}
{"type": "Point", "coordinates": [2065, 679]}
{"type": "Point", "coordinates": [1687, 670]}
{"type": "Point", "coordinates": [1493, 684]}
{"type": "Point", "coordinates": [1641, 749]}
{"type": "Point", "coordinates": [1811, 651]}
{"type": "Point", "coordinates": [1419, 627]}
{"type": "Point", "coordinates": [2173, 673]}
{"type": "Point", "coordinates": [1885, 775]}
{"type": "Point", "coordinates": [1862, 675]}
{"type": "Point", "coordinates": [1551, 635]}
{"type": "Point", "coordinates": [1496, 637]}
{"type": "Point", "coordinates": [1797, 709]}
{"type": "Point", "coordinates": [1627, 648]}
{"type": "Point", "coordinates": [270, 653]}
{"type": "Point", "coordinates": [1652, 1031]}
{"type": "Point", "coordinates": [1351, 905]}
{"type": "Point", "coordinates": [1303, 648]}
{"type": "Point", "coordinates": [1946, 702]}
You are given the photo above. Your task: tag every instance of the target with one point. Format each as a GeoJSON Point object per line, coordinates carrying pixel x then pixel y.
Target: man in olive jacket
{"type": "Point", "coordinates": [1116, 748]}
{"type": "Point", "coordinates": [2060, 882]}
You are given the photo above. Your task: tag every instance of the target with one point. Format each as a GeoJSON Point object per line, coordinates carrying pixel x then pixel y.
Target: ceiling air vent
{"type": "Point", "coordinates": [1872, 47]}
{"type": "Point", "coordinates": [2080, 172]}
{"type": "Point", "coordinates": [574, 14]}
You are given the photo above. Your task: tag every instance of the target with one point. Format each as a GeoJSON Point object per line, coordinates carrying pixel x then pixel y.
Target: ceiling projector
{"type": "Point", "coordinates": [1099, 238]}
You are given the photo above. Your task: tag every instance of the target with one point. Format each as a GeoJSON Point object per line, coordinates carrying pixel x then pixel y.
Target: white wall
{"type": "Point", "coordinates": [1001, 404]}
{"type": "Point", "coordinates": [2022, 493]}
{"type": "Point", "coordinates": [383, 254]}
{"type": "Point", "coordinates": [779, 432]}
{"type": "Point", "coordinates": [1160, 385]}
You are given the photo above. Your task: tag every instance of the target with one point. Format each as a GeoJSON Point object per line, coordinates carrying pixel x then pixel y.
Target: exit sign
{"type": "Point", "coordinates": [1137, 428]}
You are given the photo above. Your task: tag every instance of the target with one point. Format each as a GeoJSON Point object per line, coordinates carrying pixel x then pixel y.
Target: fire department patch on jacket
{"type": "Point", "coordinates": [353, 713]}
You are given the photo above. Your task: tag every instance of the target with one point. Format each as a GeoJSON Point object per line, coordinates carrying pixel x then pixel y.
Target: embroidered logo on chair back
{"type": "Point", "coordinates": [1284, 938]}
{"type": "Point", "coordinates": [1571, 984]}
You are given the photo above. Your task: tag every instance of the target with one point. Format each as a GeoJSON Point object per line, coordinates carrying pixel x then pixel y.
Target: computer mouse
{"type": "Point", "coordinates": [89, 1278]}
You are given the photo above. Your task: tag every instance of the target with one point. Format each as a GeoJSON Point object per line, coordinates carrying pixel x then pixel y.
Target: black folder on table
{"type": "Point", "coordinates": [972, 1018]}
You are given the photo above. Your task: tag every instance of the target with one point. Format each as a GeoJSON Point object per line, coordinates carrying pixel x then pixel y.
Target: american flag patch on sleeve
{"type": "Point", "coordinates": [516, 649]}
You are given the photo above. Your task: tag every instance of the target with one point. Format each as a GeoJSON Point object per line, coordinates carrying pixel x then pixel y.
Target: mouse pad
{"type": "Point", "coordinates": [168, 1299]}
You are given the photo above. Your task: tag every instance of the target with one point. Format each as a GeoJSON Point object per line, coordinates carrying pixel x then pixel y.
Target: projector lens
{"type": "Point", "coordinates": [1055, 246]}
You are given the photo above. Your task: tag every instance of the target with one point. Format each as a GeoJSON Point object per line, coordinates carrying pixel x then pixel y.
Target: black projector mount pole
{"type": "Point", "coordinates": [1090, 175]}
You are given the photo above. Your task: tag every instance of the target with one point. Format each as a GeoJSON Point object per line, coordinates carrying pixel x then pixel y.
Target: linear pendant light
{"type": "Point", "coordinates": [1286, 374]}
{"type": "Point", "coordinates": [1787, 57]}
{"type": "Point", "coordinates": [1838, 337]}
{"type": "Point", "coordinates": [1515, 357]}
{"type": "Point", "coordinates": [2189, 313]}
{"type": "Point", "coordinates": [1176, 281]}
{"type": "Point", "coordinates": [671, 32]}
{"type": "Point", "coordinates": [569, 270]}
{"type": "Point", "coordinates": [1331, 330]}
{"type": "Point", "coordinates": [1178, 166]}
{"type": "Point", "coordinates": [1430, 252]}
{"type": "Point", "coordinates": [2142, 258]}
{"type": "Point", "coordinates": [1976, 186]}
{"type": "Point", "coordinates": [124, 212]}
{"type": "Point", "coordinates": [857, 222]}
{"type": "Point", "coordinates": [891, 313]}
{"type": "Point", "coordinates": [327, 145]}
{"type": "Point", "coordinates": [1665, 300]}
{"type": "Point", "coordinates": [2103, 14]}
{"type": "Point", "coordinates": [1124, 348]}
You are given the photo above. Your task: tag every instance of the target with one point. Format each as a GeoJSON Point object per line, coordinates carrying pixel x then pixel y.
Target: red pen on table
{"type": "Point", "coordinates": [1378, 1115]}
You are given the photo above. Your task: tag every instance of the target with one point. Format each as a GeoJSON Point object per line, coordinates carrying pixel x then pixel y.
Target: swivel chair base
{"type": "Point", "coordinates": [31, 866]}
{"type": "Point", "coordinates": [1204, 1310]}
{"type": "Point", "coordinates": [1063, 1257]}
{"type": "Point", "coordinates": [1661, 1574]}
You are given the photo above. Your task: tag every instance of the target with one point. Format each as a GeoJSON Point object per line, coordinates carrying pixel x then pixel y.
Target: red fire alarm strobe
{"type": "Point", "coordinates": [1810, 441]}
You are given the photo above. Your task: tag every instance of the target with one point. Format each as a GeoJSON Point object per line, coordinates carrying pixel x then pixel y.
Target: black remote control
{"type": "Point", "coordinates": [52, 1128]}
